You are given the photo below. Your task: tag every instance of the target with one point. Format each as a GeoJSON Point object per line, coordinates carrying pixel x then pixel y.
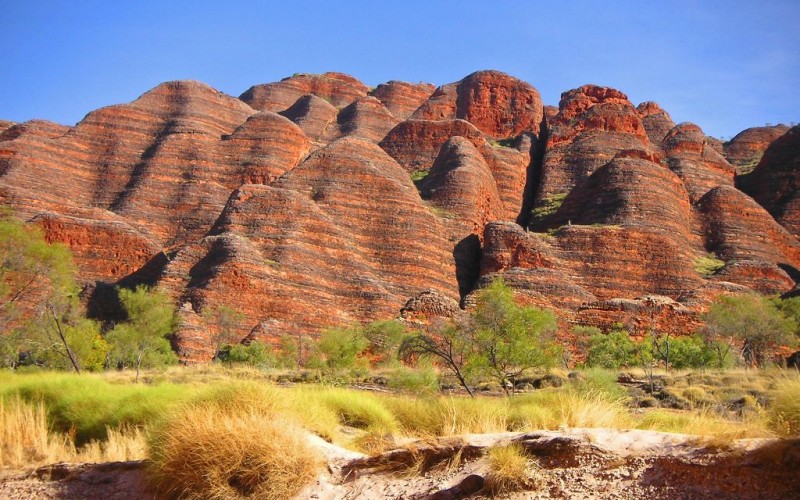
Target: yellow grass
{"type": "Point", "coordinates": [211, 452]}
{"type": "Point", "coordinates": [510, 469]}
{"type": "Point", "coordinates": [784, 413]}
{"type": "Point", "coordinates": [26, 440]}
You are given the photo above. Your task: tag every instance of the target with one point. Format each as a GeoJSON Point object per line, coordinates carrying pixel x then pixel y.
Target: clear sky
{"type": "Point", "coordinates": [725, 65]}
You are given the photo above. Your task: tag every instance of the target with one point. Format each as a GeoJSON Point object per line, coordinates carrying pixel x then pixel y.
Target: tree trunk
{"type": "Point", "coordinates": [63, 336]}
{"type": "Point", "coordinates": [138, 366]}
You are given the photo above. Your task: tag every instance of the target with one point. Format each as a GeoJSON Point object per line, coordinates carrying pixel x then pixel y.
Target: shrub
{"type": "Point", "coordinates": [357, 409]}
{"type": "Point", "coordinates": [257, 354]}
{"type": "Point", "coordinates": [613, 350]}
{"type": "Point", "coordinates": [751, 319]}
{"type": "Point", "coordinates": [549, 206]}
{"type": "Point", "coordinates": [340, 347]}
{"type": "Point", "coordinates": [420, 380]}
{"type": "Point", "coordinates": [690, 352]}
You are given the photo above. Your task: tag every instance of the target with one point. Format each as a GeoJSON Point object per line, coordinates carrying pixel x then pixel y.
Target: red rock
{"type": "Point", "coordinates": [592, 126]}
{"type": "Point", "coordinates": [342, 237]}
{"type": "Point", "coordinates": [746, 149]}
{"type": "Point", "coordinates": [461, 184]}
{"type": "Point", "coordinates": [315, 116]}
{"type": "Point", "coordinates": [700, 166]}
{"type": "Point", "coordinates": [328, 228]}
{"type": "Point", "coordinates": [267, 145]}
{"type": "Point", "coordinates": [657, 122]}
{"type": "Point", "coordinates": [461, 188]}
{"type": "Point", "coordinates": [366, 118]}
{"type": "Point", "coordinates": [104, 249]}
{"type": "Point", "coordinates": [497, 104]}
{"type": "Point", "coordinates": [402, 98]}
{"type": "Point", "coordinates": [38, 128]}
{"type": "Point", "coordinates": [441, 105]}
{"type": "Point", "coordinates": [5, 125]}
{"type": "Point", "coordinates": [738, 229]}
{"type": "Point", "coordinates": [414, 144]}
{"type": "Point", "coordinates": [775, 182]}
{"type": "Point", "coordinates": [336, 88]}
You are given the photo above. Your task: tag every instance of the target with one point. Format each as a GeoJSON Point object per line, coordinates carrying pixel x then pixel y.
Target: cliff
{"type": "Point", "coordinates": [318, 201]}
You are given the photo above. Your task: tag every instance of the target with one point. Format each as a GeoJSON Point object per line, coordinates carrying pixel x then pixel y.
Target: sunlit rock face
{"type": "Point", "coordinates": [317, 201]}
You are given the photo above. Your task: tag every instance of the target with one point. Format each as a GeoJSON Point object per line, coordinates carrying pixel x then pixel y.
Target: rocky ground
{"type": "Point", "coordinates": [578, 463]}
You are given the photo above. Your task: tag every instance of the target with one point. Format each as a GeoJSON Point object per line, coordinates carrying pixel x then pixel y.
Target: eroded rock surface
{"type": "Point", "coordinates": [295, 203]}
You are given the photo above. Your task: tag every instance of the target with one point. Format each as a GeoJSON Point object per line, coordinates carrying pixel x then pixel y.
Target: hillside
{"type": "Point", "coordinates": [318, 201]}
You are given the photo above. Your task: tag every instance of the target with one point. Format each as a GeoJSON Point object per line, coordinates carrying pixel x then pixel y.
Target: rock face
{"type": "Point", "coordinates": [775, 182]}
{"type": "Point", "coordinates": [295, 204]}
{"type": "Point", "coordinates": [336, 88]}
{"type": "Point", "coordinates": [745, 150]}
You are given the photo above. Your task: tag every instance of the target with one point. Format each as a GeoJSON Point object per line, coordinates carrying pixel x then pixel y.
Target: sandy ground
{"type": "Point", "coordinates": [576, 464]}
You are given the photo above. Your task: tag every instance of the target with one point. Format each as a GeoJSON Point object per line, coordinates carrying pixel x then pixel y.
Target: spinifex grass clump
{"type": "Point", "coordinates": [510, 469]}
{"type": "Point", "coordinates": [785, 410]}
{"type": "Point", "coordinates": [234, 444]}
{"type": "Point", "coordinates": [87, 406]}
{"type": "Point", "coordinates": [26, 439]}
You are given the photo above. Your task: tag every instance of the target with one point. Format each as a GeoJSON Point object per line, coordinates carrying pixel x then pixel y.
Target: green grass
{"type": "Point", "coordinates": [88, 408]}
{"type": "Point", "coordinates": [87, 405]}
{"type": "Point", "coordinates": [550, 205]}
{"type": "Point", "coordinates": [708, 265]}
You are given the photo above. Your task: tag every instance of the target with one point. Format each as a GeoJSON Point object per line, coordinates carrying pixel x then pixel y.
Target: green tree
{"type": "Point", "coordinates": [142, 341]}
{"type": "Point", "coordinates": [82, 348]}
{"type": "Point", "coordinates": [511, 339]}
{"type": "Point", "coordinates": [691, 352]}
{"type": "Point", "coordinates": [384, 339]}
{"type": "Point", "coordinates": [40, 315]}
{"type": "Point", "coordinates": [224, 322]}
{"type": "Point", "coordinates": [290, 351]}
{"type": "Point", "coordinates": [32, 271]}
{"type": "Point", "coordinates": [340, 347]}
{"type": "Point", "coordinates": [790, 308]}
{"type": "Point", "coordinates": [615, 349]}
{"type": "Point", "coordinates": [582, 334]}
{"type": "Point", "coordinates": [451, 344]}
{"type": "Point", "coordinates": [751, 320]}
{"type": "Point", "coordinates": [256, 354]}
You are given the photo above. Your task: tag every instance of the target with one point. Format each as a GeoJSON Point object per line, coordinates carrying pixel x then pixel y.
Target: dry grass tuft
{"type": "Point", "coordinates": [26, 440]}
{"type": "Point", "coordinates": [510, 469]}
{"type": "Point", "coordinates": [784, 412]}
{"type": "Point", "coordinates": [25, 437]}
{"type": "Point", "coordinates": [704, 423]}
{"type": "Point", "coordinates": [205, 451]}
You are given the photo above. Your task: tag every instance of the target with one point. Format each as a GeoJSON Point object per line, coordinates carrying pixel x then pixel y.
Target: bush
{"type": "Point", "coordinates": [340, 347]}
{"type": "Point", "coordinates": [87, 407]}
{"type": "Point", "coordinates": [613, 350]}
{"type": "Point", "coordinates": [690, 352]}
{"type": "Point", "coordinates": [420, 380]}
{"type": "Point", "coordinates": [257, 354]}
{"type": "Point", "coordinates": [708, 265]}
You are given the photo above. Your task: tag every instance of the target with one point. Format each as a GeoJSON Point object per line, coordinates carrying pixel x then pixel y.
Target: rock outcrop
{"type": "Point", "coordinates": [745, 150]}
{"type": "Point", "coordinates": [295, 203]}
{"type": "Point", "coordinates": [775, 182]}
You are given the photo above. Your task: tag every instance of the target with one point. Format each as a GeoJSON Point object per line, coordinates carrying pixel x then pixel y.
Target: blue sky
{"type": "Point", "coordinates": [725, 65]}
